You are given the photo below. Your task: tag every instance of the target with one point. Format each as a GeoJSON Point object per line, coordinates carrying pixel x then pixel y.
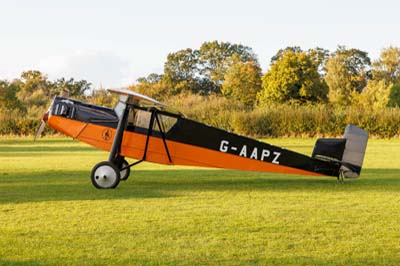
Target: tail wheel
{"type": "Point", "coordinates": [125, 172]}
{"type": "Point", "coordinates": [105, 175]}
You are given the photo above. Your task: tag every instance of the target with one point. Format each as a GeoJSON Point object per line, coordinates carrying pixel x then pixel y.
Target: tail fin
{"type": "Point", "coordinates": [346, 153]}
{"type": "Point", "coordinates": [353, 155]}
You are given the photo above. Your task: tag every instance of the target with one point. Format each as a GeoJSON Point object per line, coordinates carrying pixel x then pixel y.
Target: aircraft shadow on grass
{"type": "Point", "coordinates": [72, 185]}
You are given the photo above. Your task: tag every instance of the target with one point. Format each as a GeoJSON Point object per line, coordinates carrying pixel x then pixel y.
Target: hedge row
{"type": "Point", "coordinates": [273, 121]}
{"type": "Point", "coordinates": [289, 120]}
{"type": "Point", "coordinates": [21, 124]}
{"type": "Point", "coordinates": [313, 121]}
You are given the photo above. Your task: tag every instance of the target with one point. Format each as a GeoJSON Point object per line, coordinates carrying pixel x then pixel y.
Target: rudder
{"type": "Point", "coordinates": [354, 152]}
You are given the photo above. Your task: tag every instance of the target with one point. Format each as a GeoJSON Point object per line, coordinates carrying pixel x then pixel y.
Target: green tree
{"type": "Point", "coordinates": [35, 88]}
{"type": "Point", "coordinates": [375, 95]}
{"type": "Point", "coordinates": [387, 67]}
{"type": "Point", "coordinates": [242, 81]}
{"type": "Point", "coordinates": [153, 85]}
{"type": "Point", "coordinates": [8, 96]}
{"type": "Point", "coordinates": [319, 56]}
{"type": "Point", "coordinates": [181, 71]}
{"type": "Point", "coordinates": [394, 96]}
{"type": "Point", "coordinates": [201, 71]}
{"type": "Point", "coordinates": [71, 87]}
{"type": "Point", "coordinates": [293, 76]}
{"type": "Point", "coordinates": [282, 52]}
{"type": "Point", "coordinates": [151, 78]}
{"type": "Point", "coordinates": [347, 72]}
{"type": "Point", "coordinates": [214, 60]}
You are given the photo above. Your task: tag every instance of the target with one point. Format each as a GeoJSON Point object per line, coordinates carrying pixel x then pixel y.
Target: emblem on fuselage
{"type": "Point", "coordinates": [106, 134]}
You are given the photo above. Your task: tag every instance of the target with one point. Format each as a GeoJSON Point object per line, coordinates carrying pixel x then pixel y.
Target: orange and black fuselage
{"type": "Point", "coordinates": [176, 140]}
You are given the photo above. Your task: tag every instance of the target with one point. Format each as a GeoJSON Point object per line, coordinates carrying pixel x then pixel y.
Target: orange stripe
{"type": "Point", "coordinates": [133, 145]}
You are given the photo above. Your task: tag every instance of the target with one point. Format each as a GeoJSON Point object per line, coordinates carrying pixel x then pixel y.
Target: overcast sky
{"type": "Point", "coordinates": [112, 43]}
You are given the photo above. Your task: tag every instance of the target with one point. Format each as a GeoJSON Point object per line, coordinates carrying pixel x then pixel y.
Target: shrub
{"type": "Point", "coordinates": [213, 110]}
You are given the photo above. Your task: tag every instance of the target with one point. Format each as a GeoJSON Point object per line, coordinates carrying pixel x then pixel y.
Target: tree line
{"type": "Point", "coordinates": [229, 76]}
{"type": "Point", "coordinates": [342, 77]}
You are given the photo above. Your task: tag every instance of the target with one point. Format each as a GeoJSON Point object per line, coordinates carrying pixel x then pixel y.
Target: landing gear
{"type": "Point", "coordinates": [108, 174]}
{"type": "Point", "coordinates": [125, 170]}
{"type": "Point", "coordinates": [105, 175]}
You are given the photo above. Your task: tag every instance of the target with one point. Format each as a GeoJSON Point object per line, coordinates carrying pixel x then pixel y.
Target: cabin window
{"type": "Point", "coordinates": [167, 122]}
{"type": "Point", "coordinates": [132, 117]}
{"type": "Point", "coordinates": [143, 121]}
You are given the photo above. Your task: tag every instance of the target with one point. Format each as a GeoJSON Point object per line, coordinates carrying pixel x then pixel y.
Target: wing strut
{"type": "Point", "coordinates": [153, 117]}
{"type": "Point", "coordinates": [163, 137]}
{"type": "Point", "coordinates": [149, 132]}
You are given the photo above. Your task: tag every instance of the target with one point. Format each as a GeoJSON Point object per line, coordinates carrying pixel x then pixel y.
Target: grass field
{"type": "Point", "coordinates": [51, 215]}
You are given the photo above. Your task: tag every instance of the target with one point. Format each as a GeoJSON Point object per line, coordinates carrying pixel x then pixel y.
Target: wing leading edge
{"type": "Point", "coordinates": [141, 100]}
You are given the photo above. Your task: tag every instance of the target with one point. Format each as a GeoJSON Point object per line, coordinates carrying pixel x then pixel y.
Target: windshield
{"type": "Point", "coordinates": [119, 109]}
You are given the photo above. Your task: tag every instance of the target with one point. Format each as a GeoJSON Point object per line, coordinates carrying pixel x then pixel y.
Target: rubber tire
{"type": "Point", "coordinates": [127, 171]}
{"type": "Point", "coordinates": [108, 168]}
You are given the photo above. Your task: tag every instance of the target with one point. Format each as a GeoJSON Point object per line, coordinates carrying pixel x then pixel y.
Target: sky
{"type": "Point", "coordinates": [112, 43]}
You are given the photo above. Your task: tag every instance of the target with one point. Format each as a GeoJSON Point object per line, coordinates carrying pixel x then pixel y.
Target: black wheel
{"type": "Point", "coordinates": [105, 175]}
{"type": "Point", "coordinates": [126, 172]}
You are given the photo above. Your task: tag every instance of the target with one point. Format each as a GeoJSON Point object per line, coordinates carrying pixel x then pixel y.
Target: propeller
{"type": "Point", "coordinates": [42, 126]}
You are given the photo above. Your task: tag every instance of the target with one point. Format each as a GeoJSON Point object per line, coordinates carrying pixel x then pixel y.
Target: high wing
{"type": "Point", "coordinates": [135, 96]}
{"type": "Point", "coordinates": [144, 101]}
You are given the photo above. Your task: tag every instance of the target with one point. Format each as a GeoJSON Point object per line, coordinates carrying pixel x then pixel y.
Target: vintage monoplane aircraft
{"type": "Point", "coordinates": [142, 128]}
